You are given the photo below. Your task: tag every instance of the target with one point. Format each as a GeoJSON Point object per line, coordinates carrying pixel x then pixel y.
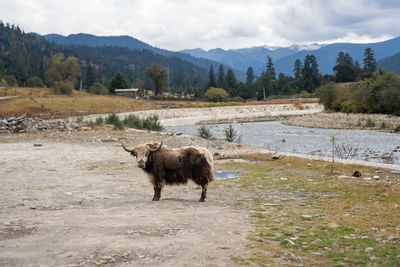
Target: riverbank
{"type": "Point", "coordinates": [346, 121]}
{"type": "Point", "coordinates": [193, 116]}
{"type": "Point", "coordinates": [60, 187]}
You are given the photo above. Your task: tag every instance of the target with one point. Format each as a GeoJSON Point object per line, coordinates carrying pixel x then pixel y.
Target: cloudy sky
{"type": "Point", "coordinates": [180, 24]}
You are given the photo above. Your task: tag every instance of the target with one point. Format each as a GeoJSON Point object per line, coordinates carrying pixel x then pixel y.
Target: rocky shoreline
{"type": "Point", "coordinates": [380, 122]}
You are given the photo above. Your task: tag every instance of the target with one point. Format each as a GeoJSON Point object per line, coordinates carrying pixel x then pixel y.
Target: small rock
{"type": "Point", "coordinates": [10, 119]}
{"type": "Point", "coordinates": [357, 174]}
{"type": "Point", "coordinates": [276, 157]}
{"type": "Point", "coordinates": [343, 177]}
{"type": "Point", "coordinates": [283, 179]}
{"type": "Point", "coordinates": [309, 165]}
{"type": "Point", "coordinates": [367, 178]}
{"type": "Point", "coordinates": [376, 177]}
{"type": "Point", "coordinates": [37, 144]}
{"type": "Point", "coordinates": [333, 225]}
{"type": "Point", "coordinates": [306, 217]}
{"type": "Point", "coordinates": [369, 249]}
{"type": "Point", "coordinates": [86, 128]}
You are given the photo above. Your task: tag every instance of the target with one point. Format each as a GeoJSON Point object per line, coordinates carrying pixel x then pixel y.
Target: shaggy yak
{"type": "Point", "coordinates": [174, 166]}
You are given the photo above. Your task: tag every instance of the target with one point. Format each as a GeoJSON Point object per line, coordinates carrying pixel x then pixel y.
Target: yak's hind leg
{"type": "Point", "coordinates": [157, 193]}
{"type": "Point", "coordinates": [203, 193]}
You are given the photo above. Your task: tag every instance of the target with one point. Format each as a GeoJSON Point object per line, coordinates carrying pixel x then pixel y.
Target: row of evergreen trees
{"type": "Point", "coordinates": [306, 77]}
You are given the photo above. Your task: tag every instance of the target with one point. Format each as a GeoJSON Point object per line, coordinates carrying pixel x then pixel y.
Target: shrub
{"type": "Point", "coordinates": [204, 132]}
{"type": "Point", "coordinates": [79, 119]}
{"type": "Point", "coordinates": [98, 89]}
{"type": "Point", "coordinates": [35, 82]}
{"type": "Point", "coordinates": [114, 120]}
{"type": "Point", "coordinates": [10, 80]}
{"type": "Point", "coordinates": [327, 95]}
{"type": "Point", "coordinates": [3, 83]}
{"type": "Point", "coordinates": [369, 123]}
{"type": "Point", "coordinates": [111, 119]}
{"type": "Point", "coordinates": [99, 121]}
{"type": "Point", "coordinates": [231, 135]}
{"type": "Point", "coordinates": [216, 94]}
{"type": "Point", "coordinates": [64, 88]}
{"type": "Point", "coordinates": [150, 123]}
{"type": "Point", "coordinates": [347, 107]}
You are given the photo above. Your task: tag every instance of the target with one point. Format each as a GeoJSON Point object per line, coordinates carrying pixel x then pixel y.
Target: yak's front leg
{"type": "Point", "coordinates": [203, 193]}
{"type": "Point", "coordinates": [157, 193]}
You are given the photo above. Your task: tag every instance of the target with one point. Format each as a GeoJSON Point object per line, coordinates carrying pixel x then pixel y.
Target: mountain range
{"type": "Point", "coordinates": [240, 59]}
{"type": "Point", "coordinates": [133, 43]}
{"type": "Point", "coordinates": [284, 57]}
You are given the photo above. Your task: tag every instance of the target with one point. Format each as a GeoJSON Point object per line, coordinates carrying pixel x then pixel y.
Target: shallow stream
{"type": "Point", "coordinates": [365, 145]}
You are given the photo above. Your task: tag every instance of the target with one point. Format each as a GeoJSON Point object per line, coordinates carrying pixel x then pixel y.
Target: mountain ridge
{"type": "Point", "coordinates": [284, 57]}
{"type": "Point", "coordinates": [133, 43]}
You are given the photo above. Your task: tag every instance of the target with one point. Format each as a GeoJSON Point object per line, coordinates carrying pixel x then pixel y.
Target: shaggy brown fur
{"type": "Point", "coordinates": [175, 166]}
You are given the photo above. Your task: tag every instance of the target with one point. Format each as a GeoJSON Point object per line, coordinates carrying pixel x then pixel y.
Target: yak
{"type": "Point", "coordinates": [174, 166]}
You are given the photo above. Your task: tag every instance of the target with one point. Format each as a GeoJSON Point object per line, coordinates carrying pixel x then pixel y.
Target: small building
{"type": "Point", "coordinates": [131, 92]}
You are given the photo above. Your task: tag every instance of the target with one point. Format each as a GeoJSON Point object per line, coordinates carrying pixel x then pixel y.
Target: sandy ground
{"type": "Point", "coordinates": [339, 120]}
{"type": "Point", "coordinates": [80, 202]}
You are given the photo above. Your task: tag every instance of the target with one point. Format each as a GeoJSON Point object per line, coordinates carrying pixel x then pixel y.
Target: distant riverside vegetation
{"type": "Point", "coordinates": [29, 60]}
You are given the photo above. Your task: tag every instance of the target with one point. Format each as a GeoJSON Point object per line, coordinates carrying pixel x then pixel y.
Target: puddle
{"type": "Point", "coordinates": [225, 175]}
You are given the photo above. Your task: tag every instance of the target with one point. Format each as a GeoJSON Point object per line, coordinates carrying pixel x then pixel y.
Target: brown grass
{"type": "Point", "coordinates": [42, 101]}
{"type": "Point", "coordinates": [72, 105]}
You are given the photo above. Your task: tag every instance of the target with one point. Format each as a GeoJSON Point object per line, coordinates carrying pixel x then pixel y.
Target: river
{"type": "Point", "coordinates": [365, 145]}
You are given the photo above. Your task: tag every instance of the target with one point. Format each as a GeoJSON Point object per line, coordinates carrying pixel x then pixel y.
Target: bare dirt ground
{"type": "Point", "coordinates": [74, 200]}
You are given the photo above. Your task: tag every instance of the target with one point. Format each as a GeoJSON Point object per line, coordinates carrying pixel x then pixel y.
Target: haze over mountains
{"type": "Point", "coordinates": [240, 59]}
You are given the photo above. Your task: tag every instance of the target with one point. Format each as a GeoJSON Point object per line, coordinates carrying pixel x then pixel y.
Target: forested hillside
{"type": "Point", "coordinates": [133, 43]}
{"type": "Point", "coordinates": [24, 55]}
{"type": "Point", "coordinates": [391, 63]}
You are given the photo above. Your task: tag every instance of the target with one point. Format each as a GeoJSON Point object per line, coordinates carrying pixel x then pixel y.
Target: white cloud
{"type": "Point", "coordinates": [179, 24]}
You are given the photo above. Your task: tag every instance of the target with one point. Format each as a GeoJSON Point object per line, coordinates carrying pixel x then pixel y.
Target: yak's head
{"type": "Point", "coordinates": [142, 152]}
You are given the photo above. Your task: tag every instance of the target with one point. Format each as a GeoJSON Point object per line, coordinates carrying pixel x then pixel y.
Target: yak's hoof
{"type": "Point", "coordinates": [202, 200]}
{"type": "Point", "coordinates": [155, 199]}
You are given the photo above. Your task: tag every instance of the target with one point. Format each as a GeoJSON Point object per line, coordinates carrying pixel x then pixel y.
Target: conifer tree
{"type": "Point", "coordinates": [369, 61]}
{"type": "Point", "coordinates": [118, 82]}
{"type": "Point", "coordinates": [90, 77]}
{"type": "Point", "coordinates": [221, 77]}
{"type": "Point", "coordinates": [250, 75]}
{"type": "Point", "coordinates": [297, 69]}
{"type": "Point", "coordinates": [211, 81]}
{"type": "Point", "coordinates": [270, 68]}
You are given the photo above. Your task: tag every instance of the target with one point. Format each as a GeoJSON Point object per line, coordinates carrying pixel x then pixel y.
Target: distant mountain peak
{"type": "Point", "coordinates": [301, 47]}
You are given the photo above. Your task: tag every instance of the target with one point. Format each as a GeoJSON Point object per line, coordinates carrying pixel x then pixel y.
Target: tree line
{"type": "Point", "coordinates": [26, 59]}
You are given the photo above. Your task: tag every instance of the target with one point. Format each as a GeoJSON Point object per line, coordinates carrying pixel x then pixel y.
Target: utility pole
{"type": "Point", "coordinates": [168, 77]}
{"type": "Point", "coordinates": [264, 92]}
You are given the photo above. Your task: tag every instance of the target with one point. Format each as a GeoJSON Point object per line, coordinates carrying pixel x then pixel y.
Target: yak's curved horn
{"type": "Point", "coordinates": [127, 150]}
{"type": "Point", "coordinates": [155, 149]}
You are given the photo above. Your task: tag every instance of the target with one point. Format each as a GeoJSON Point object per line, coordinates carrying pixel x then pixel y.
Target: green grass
{"type": "Point", "coordinates": [354, 222]}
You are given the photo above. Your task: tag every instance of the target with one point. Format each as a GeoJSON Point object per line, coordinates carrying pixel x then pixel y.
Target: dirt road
{"type": "Point", "coordinates": [86, 203]}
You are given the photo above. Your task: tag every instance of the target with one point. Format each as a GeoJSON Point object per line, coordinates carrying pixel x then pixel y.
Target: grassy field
{"type": "Point", "coordinates": [303, 213]}
{"type": "Point", "coordinates": [42, 101]}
